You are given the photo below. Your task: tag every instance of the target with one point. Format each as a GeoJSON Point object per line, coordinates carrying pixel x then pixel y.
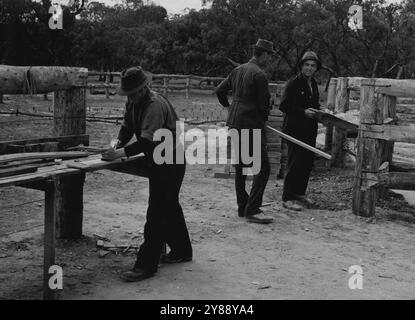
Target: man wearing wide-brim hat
{"type": "Point", "coordinates": [249, 110]}
{"type": "Point", "coordinates": [298, 102]}
{"type": "Point", "coordinates": [146, 112]}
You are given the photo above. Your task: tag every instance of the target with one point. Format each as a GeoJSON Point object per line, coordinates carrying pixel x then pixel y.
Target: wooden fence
{"type": "Point", "coordinates": [63, 195]}
{"type": "Point", "coordinates": [344, 96]}
{"type": "Point", "coordinates": [379, 128]}
{"type": "Point", "coordinates": [69, 117]}
{"type": "Point", "coordinates": [164, 83]}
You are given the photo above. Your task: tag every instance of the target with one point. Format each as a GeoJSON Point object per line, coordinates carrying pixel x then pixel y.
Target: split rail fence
{"type": "Point", "coordinates": [382, 122]}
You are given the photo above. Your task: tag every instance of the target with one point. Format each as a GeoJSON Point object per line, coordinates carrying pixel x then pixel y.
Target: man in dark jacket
{"type": "Point", "coordinates": [299, 99]}
{"type": "Point", "coordinates": [249, 110]}
{"type": "Point", "coordinates": [146, 112]}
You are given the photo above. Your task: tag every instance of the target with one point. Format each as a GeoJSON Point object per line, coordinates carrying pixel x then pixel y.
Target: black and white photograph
{"type": "Point", "coordinates": [207, 155]}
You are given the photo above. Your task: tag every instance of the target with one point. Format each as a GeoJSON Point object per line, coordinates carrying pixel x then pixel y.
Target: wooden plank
{"type": "Point", "coordinates": [338, 153]}
{"type": "Point", "coordinates": [406, 101]}
{"type": "Point", "coordinates": [274, 147]}
{"type": "Point", "coordinates": [402, 166]}
{"type": "Point", "coordinates": [13, 148]}
{"type": "Point", "coordinates": [392, 87]}
{"type": "Point", "coordinates": [275, 122]}
{"type": "Point", "coordinates": [274, 161]}
{"type": "Point", "coordinates": [396, 133]}
{"type": "Point", "coordinates": [89, 149]}
{"type": "Point", "coordinates": [398, 88]}
{"type": "Point", "coordinates": [302, 144]}
{"type": "Point", "coordinates": [274, 154]}
{"type": "Point", "coordinates": [14, 80]}
{"type": "Point", "coordinates": [405, 109]}
{"type": "Point", "coordinates": [38, 176]}
{"type": "Point", "coordinates": [331, 99]}
{"type": "Point", "coordinates": [63, 142]}
{"type": "Point", "coordinates": [276, 113]}
{"type": "Point", "coordinates": [389, 112]}
{"type": "Point", "coordinates": [42, 155]}
{"type": "Point", "coordinates": [93, 163]}
{"type": "Point", "coordinates": [332, 119]}
{"type": "Point", "coordinates": [16, 171]}
{"type": "Point", "coordinates": [21, 163]}
{"type": "Point", "coordinates": [38, 185]}
{"type": "Point", "coordinates": [355, 83]}
{"type": "Point", "coordinates": [393, 180]}
{"type": "Point", "coordinates": [33, 147]}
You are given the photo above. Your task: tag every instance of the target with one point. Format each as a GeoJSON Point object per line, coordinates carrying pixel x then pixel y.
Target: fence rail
{"type": "Point", "coordinates": [168, 83]}
{"type": "Point", "coordinates": [379, 129]}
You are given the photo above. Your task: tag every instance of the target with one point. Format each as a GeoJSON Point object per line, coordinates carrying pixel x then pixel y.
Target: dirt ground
{"type": "Point", "coordinates": [303, 255]}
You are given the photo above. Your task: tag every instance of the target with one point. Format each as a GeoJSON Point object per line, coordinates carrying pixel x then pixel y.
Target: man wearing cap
{"type": "Point", "coordinates": [249, 110]}
{"type": "Point", "coordinates": [146, 112]}
{"type": "Point", "coordinates": [298, 101]}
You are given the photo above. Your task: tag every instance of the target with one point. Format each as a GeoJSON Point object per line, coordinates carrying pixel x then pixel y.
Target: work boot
{"type": "Point", "coordinates": [169, 258]}
{"type": "Point", "coordinates": [306, 201]}
{"type": "Point", "coordinates": [291, 205]}
{"type": "Point", "coordinates": [259, 218]}
{"type": "Point", "coordinates": [136, 274]}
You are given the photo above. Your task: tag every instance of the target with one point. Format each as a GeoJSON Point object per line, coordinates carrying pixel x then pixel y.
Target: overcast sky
{"type": "Point", "coordinates": [172, 6]}
{"type": "Point", "coordinates": [178, 6]}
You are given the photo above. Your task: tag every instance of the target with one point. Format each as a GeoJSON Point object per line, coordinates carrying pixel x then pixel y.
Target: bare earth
{"type": "Point", "coordinates": [303, 255]}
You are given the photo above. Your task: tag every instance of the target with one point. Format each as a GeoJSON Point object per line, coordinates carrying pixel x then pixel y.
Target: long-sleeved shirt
{"type": "Point", "coordinates": [297, 97]}
{"type": "Point", "coordinates": [143, 118]}
{"type": "Point", "coordinates": [250, 96]}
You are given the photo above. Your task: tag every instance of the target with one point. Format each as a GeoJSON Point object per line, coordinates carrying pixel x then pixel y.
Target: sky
{"type": "Point", "coordinates": [172, 6]}
{"type": "Point", "coordinates": [178, 6]}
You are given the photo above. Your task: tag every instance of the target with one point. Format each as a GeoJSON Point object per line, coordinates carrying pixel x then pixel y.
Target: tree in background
{"type": "Point", "coordinates": [212, 41]}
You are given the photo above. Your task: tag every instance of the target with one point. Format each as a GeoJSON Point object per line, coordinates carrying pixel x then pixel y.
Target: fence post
{"type": "Point", "coordinates": [69, 119]}
{"type": "Point", "coordinates": [1, 98]}
{"type": "Point", "coordinates": [331, 99]}
{"type": "Point", "coordinates": [107, 83]}
{"type": "Point", "coordinates": [369, 152]}
{"type": "Point", "coordinates": [165, 86]}
{"type": "Point", "coordinates": [339, 135]}
{"type": "Point", "coordinates": [187, 87]}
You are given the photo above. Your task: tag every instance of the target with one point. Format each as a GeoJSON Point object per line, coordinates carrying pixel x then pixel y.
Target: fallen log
{"type": "Point", "coordinates": [35, 80]}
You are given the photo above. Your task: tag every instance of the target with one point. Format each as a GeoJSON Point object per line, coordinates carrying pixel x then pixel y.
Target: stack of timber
{"type": "Point", "coordinates": [277, 154]}
{"type": "Point", "coordinates": [24, 163]}
{"type": "Point", "coordinates": [405, 109]}
{"type": "Point", "coordinates": [229, 170]}
{"type": "Point", "coordinates": [43, 144]}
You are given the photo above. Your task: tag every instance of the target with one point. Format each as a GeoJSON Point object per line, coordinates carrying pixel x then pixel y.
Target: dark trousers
{"type": "Point", "coordinates": [165, 220]}
{"type": "Point", "coordinates": [249, 204]}
{"type": "Point", "coordinates": [299, 166]}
